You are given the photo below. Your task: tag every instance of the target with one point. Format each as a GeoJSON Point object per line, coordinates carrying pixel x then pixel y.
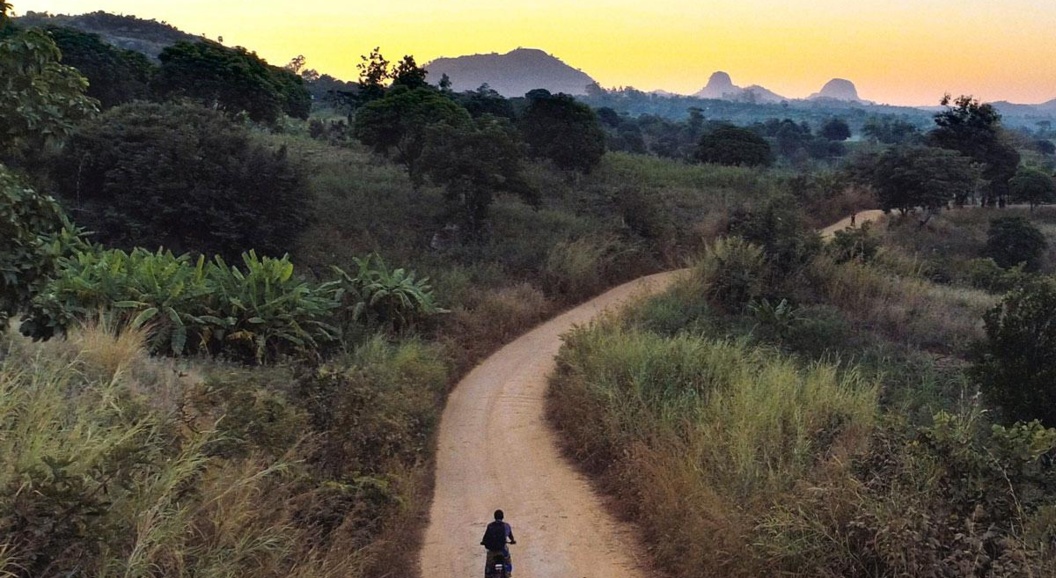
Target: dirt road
{"type": "Point", "coordinates": [860, 218]}
{"type": "Point", "coordinates": [497, 451]}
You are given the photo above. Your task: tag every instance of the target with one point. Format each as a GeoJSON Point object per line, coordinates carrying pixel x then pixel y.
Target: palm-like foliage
{"type": "Point", "coordinates": [394, 299]}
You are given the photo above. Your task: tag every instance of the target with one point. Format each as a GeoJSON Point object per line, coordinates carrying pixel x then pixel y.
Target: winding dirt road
{"type": "Point", "coordinates": [497, 451]}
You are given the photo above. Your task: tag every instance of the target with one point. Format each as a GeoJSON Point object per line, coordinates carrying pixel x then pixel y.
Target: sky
{"type": "Point", "coordinates": [906, 52]}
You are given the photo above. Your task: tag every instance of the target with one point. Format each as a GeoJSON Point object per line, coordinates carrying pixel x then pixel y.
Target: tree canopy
{"type": "Point", "coordinates": [182, 177]}
{"type": "Point", "coordinates": [559, 128]}
{"type": "Point", "coordinates": [734, 146]}
{"type": "Point", "coordinates": [836, 129]}
{"type": "Point", "coordinates": [473, 163]}
{"type": "Point", "coordinates": [399, 122]}
{"type": "Point", "coordinates": [115, 76]}
{"type": "Point", "coordinates": [1033, 187]}
{"type": "Point", "coordinates": [1013, 240]}
{"type": "Point", "coordinates": [233, 80]}
{"type": "Point", "coordinates": [974, 129]}
{"type": "Point", "coordinates": [909, 177]}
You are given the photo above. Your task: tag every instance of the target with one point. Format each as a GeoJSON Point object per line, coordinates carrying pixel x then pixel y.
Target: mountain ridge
{"type": "Point", "coordinates": [511, 74]}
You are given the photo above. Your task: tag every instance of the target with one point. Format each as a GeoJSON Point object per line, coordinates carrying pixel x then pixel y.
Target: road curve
{"type": "Point", "coordinates": [497, 451]}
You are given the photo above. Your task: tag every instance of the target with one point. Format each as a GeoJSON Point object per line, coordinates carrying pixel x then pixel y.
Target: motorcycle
{"type": "Point", "coordinates": [495, 564]}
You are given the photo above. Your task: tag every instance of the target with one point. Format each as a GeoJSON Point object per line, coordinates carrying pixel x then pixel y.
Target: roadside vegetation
{"type": "Point", "coordinates": [228, 330]}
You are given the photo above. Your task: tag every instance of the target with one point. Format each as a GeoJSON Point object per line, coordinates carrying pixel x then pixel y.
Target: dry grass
{"type": "Point", "coordinates": [709, 433]}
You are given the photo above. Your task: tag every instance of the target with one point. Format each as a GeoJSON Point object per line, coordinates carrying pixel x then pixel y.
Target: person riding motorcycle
{"type": "Point", "coordinates": [498, 532]}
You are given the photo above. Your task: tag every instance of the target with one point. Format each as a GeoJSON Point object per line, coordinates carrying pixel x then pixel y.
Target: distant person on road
{"type": "Point", "coordinates": [496, 538]}
{"type": "Point", "coordinates": [853, 215]}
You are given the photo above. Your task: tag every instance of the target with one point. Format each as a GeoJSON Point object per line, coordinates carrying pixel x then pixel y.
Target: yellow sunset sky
{"type": "Point", "coordinates": [895, 51]}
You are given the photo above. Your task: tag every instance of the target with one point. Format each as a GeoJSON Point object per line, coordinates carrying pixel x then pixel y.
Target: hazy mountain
{"type": "Point", "coordinates": [721, 87]}
{"type": "Point", "coordinates": [511, 74]}
{"type": "Point", "coordinates": [147, 36]}
{"type": "Point", "coordinates": [838, 89]}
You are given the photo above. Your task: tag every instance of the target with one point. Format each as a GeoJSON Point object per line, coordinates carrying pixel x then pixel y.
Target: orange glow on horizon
{"type": "Point", "coordinates": [906, 52]}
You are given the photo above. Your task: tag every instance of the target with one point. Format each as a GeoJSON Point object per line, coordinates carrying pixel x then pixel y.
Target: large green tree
{"type": "Point", "coordinates": [733, 146]}
{"type": "Point", "coordinates": [183, 177]}
{"type": "Point", "coordinates": [398, 124]}
{"type": "Point", "coordinates": [1033, 187]}
{"type": "Point", "coordinates": [473, 163]}
{"type": "Point", "coordinates": [115, 76]}
{"type": "Point", "coordinates": [928, 178]}
{"type": "Point", "coordinates": [974, 130]}
{"type": "Point", "coordinates": [559, 128]}
{"type": "Point", "coordinates": [233, 80]}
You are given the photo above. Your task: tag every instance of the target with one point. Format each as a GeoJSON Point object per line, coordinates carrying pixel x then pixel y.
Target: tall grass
{"type": "Point", "coordinates": [116, 464]}
{"type": "Point", "coordinates": [701, 437]}
{"type": "Point", "coordinates": [907, 309]}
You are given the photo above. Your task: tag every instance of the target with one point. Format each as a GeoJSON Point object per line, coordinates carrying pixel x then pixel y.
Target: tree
{"type": "Point", "coordinates": [399, 121]}
{"type": "Point", "coordinates": [408, 73]}
{"type": "Point", "coordinates": [41, 100]}
{"type": "Point", "coordinates": [182, 177]}
{"type": "Point", "coordinates": [558, 128]}
{"type": "Point", "coordinates": [232, 80]}
{"type": "Point", "coordinates": [889, 130]}
{"type": "Point", "coordinates": [374, 73]}
{"type": "Point", "coordinates": [836, 129]}
{"type": "Point", "coordinates": [473, 163]}
{"type": "Point", "coordinates": [34, 233]}
{"type": "Point", "coordinates": [974, 129]}
{"type": "Point", "coordinates": [486, 100]}
{"type": "Point", "coordinates": [1032, 186]}
{"type": "Point", "coordinates": [115, 76]}
{"type": "Point", "coordinates": [1016, 364]}
{"type": "Point", "coordinates": [734, 146]}
{"type": "Point", "coordinates": [907, 178]}
{"type": "Point", "coordinates": [1014, 240]}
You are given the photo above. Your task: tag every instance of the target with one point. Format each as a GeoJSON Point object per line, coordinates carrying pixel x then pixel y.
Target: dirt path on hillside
{"type": "Point", "coordinates": [497, 451]}
{"type": "Point", "coordinates": [859, 218]}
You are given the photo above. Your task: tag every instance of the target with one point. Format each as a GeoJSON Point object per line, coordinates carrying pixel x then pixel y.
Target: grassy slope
{"type": "Point", "coordinates": [639, 398]}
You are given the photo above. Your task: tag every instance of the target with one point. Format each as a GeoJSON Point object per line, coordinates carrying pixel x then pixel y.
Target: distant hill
{"type": "Point", "coordinates": [149, 37]}
{"type": "Point", "coordinates": [837, 89]}
{"type": "Point", "coordinates": [512, 74]}
{"type": "Point", "coordinates": [721, 87]}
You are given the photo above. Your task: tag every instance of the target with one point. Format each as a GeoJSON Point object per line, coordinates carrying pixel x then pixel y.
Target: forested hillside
{"type": "Point", "coordinates": [232, 313]}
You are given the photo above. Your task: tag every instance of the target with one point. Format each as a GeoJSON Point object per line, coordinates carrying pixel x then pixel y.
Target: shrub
{"type": "Point", "coordinates": [259, 313]}
{"type": "Point", "coordinates": [182, 177]}
{"type": "Point", "coordinates": [394, 300]}
{"type": "Point", "coordinates": [1016, 363]}
{"type": "Point", "coordinates": [1013, 240]}
{"type": "Point", "coordinates": [856, 244]}
{"type": "Point", "coordinates": [732, 272]}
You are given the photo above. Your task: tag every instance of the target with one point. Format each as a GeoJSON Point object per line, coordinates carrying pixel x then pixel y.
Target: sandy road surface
{"type": "Point", "coordinates": [497, 451]}
{"type": "Point", "coordinates": [859, 218]}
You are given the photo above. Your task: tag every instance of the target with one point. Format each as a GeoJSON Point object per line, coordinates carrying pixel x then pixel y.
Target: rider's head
{"type": "Point", "coordinates": [498, 514]}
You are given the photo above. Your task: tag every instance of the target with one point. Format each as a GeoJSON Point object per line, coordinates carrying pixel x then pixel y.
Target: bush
{"type": "Point", "coordinates": [1014, 240]}
{"type": "Point", "coordinates": [732, 272]}
{"type": "Point", "coordinates": [181, 177]}
{"type": "Point", "coordinates": [1016, 363]}
{"type": "Point", "coordinates": [855, 244]}
{"type": "Point", "coordinates": [259, 313]}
